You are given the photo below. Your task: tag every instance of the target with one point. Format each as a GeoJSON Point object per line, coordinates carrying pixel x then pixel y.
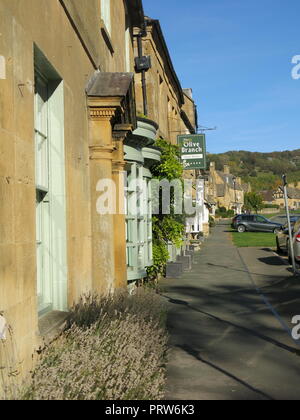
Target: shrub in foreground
{"type": "Point", "coordinates": [114, 349]}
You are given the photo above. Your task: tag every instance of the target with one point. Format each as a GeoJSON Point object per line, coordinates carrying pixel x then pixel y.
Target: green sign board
{"type": "Point", "coordinates": [193, 151]}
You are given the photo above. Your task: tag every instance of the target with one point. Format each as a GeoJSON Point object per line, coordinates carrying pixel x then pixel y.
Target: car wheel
{"type": "Point", "coordinates": [279, 250]}
{"type": "Point", "coordinates": [297, 264]}
{"type": "Point", "coordinates": [289, 253]}
{"type": "Point", "coordinates": [276, 231]}
{"type": "Point", "coordinates": [241, 229]}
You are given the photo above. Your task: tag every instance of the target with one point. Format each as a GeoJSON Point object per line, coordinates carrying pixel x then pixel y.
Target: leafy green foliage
{"type": "Point", "coordinates": [212, 222]}
{"type": "Point", "coordinates": [160, 260]}
{"type": "Point", "coordinates": [253, 201]}
{"type": "Point", "coordinates": [170, 166]}
{"type": "Point", "coordinates": [262, 170]}
{"type": "Point", "coordinates": [166, 228]}
{"type": "Point", "coordinates": [271, 206]}
{"type": "Point", "coordinates": [141, 115]}
{"type": "Point", "coordinates": [223, 213]}
{"type": "Point", "coordinates": [263, 181]}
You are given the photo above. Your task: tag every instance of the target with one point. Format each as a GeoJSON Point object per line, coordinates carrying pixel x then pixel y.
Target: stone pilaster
{"type": "Point", "coordinates": [101, 166]}
{"type": "Point", "coordinates": [119, 134]}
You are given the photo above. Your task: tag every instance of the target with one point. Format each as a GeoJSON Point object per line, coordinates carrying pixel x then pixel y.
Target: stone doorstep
{"type": "Point", "coordinates": [187, 249]}
{"type": "Point", "coordinates": [174, 270]}
{"type": "Point", "coordinates": [191, 254]}
{"type": "Point", "coordinates": [186, 261]}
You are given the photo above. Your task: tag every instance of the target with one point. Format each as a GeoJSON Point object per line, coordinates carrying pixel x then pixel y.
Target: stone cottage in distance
{"type": "Point", "coordinates": [225, 190]}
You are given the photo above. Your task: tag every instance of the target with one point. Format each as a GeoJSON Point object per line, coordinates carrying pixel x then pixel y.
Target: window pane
{"type": "Point", "coordinates": [127, 51]}
{"type": "Point", "coordinates": [44, 286]}
{"type": "Point", "coordinates": [106, 14]}
{"type": "Point", "coordinates": [41, 133]}
{"type": "Point", "coordinates": [41, 162]}
{"type": "Point", "coordinates": [41, 107]}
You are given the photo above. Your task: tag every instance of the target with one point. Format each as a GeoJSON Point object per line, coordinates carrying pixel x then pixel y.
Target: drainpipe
{"type": "Point", "coordinates": [143, 71]}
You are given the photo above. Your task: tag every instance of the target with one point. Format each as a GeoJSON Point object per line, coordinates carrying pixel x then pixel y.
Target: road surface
{"type": "Point", "coordinates": [230, 325]}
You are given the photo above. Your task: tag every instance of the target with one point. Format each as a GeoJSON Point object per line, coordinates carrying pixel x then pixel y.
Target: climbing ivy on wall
{"type": "Point", "coordinates": [170, 167]}
{"type": "Point", "coordinates": [171, 227]}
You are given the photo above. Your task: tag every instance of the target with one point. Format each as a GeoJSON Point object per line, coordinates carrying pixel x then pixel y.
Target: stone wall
{"type": "Point", "coordinates": [69, 35]}
{"type": "Point", "coordinates": [164, 104]}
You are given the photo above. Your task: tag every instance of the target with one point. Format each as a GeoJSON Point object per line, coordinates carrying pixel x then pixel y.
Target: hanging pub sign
{"type": "Point", "coordinates": [193, 151]}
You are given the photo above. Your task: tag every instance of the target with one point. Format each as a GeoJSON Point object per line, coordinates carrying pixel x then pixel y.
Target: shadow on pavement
{"type": "Point", "coordinates": [272, 261]}
{"type": "Point", "coordinates": [240, 327]}
{"type": "Point", "coordinates": [227, 267]}
{"type": "Point", "coordinates": [225, 336]}
{"type": "Point", "coordinates": [196, 355]}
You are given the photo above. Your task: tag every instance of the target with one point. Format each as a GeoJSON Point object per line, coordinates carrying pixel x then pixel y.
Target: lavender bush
{"type": "Point", "coordinates": [114, 349]}
{"type": "Point", "coordinates": [10, 368]}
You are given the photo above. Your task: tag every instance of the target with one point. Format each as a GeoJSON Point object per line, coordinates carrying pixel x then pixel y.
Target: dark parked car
{"type": "Point", "coordinates": [255, 223]}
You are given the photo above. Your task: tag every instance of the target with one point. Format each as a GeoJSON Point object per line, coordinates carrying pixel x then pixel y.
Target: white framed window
{"type": "Point", "coordinates": [106, 14]}
{"type": "Point", "coordinates": [43, 241]}
{"type": "Point", "coordinates": [51, 231]}
{"type": "Point", "coordinates": [41, 133]}
{"type": "Point", "coordinates": [138, 221]}
{"type": "Point", "coordinates": [127, 50]}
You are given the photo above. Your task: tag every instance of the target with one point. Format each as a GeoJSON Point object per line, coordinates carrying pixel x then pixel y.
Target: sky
{"type": "Point", "coordinates": [236, 55]}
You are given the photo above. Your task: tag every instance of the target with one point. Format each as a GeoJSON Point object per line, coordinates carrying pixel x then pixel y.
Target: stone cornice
{"type": "Point", "coordinates": [97, 113]}
{"type": "Point", "coordinates": [119, 166]}
{"type": "Point", "coordinates": [121, 131]}
{"type": "Point", "coordinates": [105, 102]}
{"type": "Point", "coordinates": [101, 152]}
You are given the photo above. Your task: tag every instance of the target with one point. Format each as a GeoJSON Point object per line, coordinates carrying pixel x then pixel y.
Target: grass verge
{"type": "Point", "coordinates": [254, 239]}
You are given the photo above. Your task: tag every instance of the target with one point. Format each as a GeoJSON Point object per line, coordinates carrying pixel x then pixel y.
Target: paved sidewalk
{"type": "Point", "coordinates": [229, 324]}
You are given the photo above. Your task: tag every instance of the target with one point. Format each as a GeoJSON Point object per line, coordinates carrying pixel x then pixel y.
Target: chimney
{"type": "Point", "coordinates": [212, 166]}
{"type": "Point", "coordinates": [226, 169]}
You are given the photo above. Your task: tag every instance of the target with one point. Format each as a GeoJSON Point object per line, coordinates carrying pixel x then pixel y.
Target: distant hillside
{"type": "Point", "coordinates": [262, 170]}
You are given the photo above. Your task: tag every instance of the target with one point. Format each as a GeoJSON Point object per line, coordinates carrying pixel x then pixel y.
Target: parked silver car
{"type": "Point", "coordinates": [283, 241]}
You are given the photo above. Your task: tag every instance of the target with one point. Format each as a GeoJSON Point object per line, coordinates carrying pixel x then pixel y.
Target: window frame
{"type": "Point", "coordinates": [43, 212]}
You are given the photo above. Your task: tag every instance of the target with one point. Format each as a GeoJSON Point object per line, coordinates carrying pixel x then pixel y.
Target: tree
{"type": "Point", "coordinates": [253, 201]}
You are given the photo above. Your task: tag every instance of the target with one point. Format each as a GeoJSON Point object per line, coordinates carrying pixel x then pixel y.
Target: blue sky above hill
{"type": "Point", "coordinates": [237, 57]}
